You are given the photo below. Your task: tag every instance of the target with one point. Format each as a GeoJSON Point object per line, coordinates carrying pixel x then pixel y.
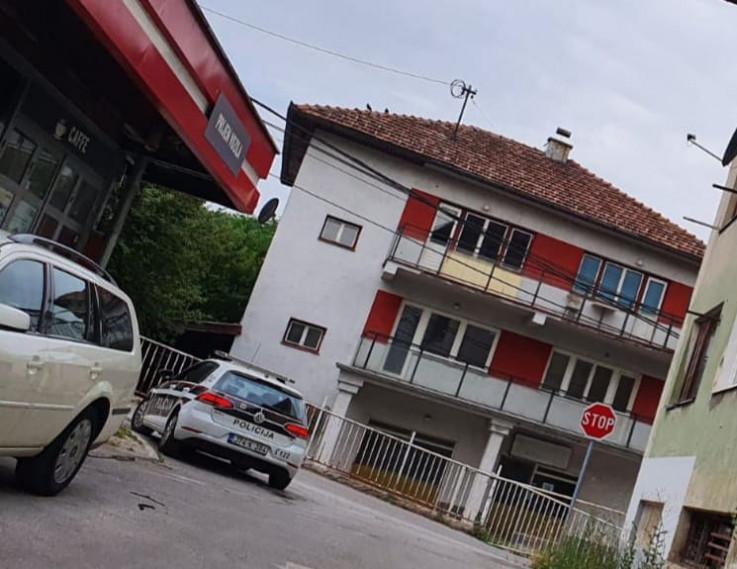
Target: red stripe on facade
{"type": "Point", "coordinates": [418, 215]}
{"type": "Point", "coordinates": [648, 398]}
{"type": "Point", "coordinates": [521, 359]}
{"type": "Point", "coordinates": [114, 25]}
{"type": "Point", "coordinates": [553, 261]}
{"type": "Point", "coordinates": [382, 316]}
{"type": "Point", "coordinates": [676, 302]}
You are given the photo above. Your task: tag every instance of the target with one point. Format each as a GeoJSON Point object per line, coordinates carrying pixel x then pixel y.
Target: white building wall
{"type": "Point", "coordinates": [333, 287]}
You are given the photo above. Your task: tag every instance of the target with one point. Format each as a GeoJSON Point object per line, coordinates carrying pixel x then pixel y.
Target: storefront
{"type": "Point", "coordinates": [97, 97]}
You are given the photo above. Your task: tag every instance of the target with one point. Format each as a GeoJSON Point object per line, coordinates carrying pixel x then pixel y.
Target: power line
{"type": "Point", "coordinates": [361, 166]}
{"type": "Point", "coordinates": [326, 51]}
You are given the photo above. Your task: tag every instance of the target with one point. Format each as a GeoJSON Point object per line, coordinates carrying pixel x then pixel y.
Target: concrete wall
{"type": "Point", "coordinates": [333, 287]}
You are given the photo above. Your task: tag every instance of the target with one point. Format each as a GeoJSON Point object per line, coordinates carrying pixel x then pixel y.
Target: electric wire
{"type": "Point", "coordinates": [365, 168]}
{"type": "Point", "coordinates": [325, 51]}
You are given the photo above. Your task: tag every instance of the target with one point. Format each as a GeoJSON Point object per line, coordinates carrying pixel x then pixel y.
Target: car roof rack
{"type": "Point", "coordinates": [64, 251]}
{"type": "Point", "coordinates": [221, 355]}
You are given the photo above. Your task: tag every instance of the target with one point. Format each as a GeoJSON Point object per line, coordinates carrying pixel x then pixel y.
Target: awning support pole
{"type": "Point", "coordinates": [131, 188]}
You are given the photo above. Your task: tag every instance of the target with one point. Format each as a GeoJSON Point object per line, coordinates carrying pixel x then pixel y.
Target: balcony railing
{"type": "Point", "coordinates": [411, 365]}
{"type": "Point", "coordinates": [541, 287]}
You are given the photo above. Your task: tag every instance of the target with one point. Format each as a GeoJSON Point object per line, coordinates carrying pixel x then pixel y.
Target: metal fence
{"type": "Point", "coordinates": [158, 357]}
{"type": "Point", "coordinates": [509, 514]}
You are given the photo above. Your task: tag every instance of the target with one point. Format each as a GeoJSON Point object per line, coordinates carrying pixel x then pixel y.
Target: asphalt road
{"type": "Point", "coordinates": [201, 514]}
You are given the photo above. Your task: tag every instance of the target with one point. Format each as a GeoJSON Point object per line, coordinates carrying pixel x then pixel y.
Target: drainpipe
{"type": "Point", "coordinates": [130, 189]}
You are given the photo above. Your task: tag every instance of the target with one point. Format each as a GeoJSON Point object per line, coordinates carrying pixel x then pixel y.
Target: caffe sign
{"type": "Point", "coordinates": [227, 135]}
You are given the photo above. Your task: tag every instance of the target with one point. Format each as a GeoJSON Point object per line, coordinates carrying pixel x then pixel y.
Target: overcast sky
{"type": "Point", "coordinates": [629, 78]}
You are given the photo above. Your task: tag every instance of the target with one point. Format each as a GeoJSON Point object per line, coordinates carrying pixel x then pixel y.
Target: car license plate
{"type": "Point", "coordinates": [248, 444]}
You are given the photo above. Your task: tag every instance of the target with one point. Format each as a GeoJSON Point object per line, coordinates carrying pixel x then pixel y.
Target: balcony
{"type": "Point", "coordinates": [411, 366]}
{"type": "Point", "coordinates": [537, 286]}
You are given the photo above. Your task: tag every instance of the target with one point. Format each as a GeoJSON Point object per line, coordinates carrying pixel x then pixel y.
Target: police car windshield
{"type": "Point", "coordinates": [261, 393]}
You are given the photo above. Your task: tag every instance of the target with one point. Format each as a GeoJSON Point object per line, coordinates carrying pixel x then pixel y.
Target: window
{"type": "Point", "coordinates": [198, 372]}
{"type": "Point", "coordinates": [115, 321]}
{"type": "Point", "coordinates": [698, 350]}
{"type": "Point", "coordinates": [440, 335]}
{"type": "Point", "coordinates": [620, 285]}
{"type": "Point", "coordinates": [582, 379]}
{"type": "Point", "coordinates": [65, 183]}
{"type": "Point", "coordinates": [579, 379]}
{"type": "Point", "coordinates": [83, 201]}
{"type": "Point", "coordinates": [653, 297]}
{"type": "Point", "coordinates": [300, 334]}
{"type": "Point", "coordinates": [22, 287]}
{"type": "Point", "coordinates": [70, 307]}
{"type": "Point", "coordinates": [339, 232]}
{"type": "Point", "coordinates": [445, 223]}
{"type": "Point", "coordinates": [261, 393]}
{"type": "Point", "coordinates": [41, 173]}
{"type": "Point", "coordinates": [476, 346]}
{"type": "Point", "coordinates": [16, 155]}
{"type": "Point", "coordinates": [556, 371]}
{"type": "Point", "coordinates": [623, 394]}
{"type": "Point", "coordinates": [708, 537]}
{"type": "Point", "coordinates": [587, 273]}
{"type": "Point", "coordinates": [487, 238]}
{"type": "Point", "coordinates": [403, 336]}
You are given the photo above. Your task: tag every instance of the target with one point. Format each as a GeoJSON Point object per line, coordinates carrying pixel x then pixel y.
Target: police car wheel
{"type": "Point", "coordinates": [279, 480]}
{"type": "Point", "coordinates": [167, 443]}
{"type": "Point", "coordinates": [137, 419]}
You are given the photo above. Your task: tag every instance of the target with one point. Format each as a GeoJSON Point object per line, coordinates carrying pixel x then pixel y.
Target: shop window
{"type": "Point", "coordinates": [440, 335]}
{"type": "Point", "coordinates": [70, 307]}
{"type": "Point", "coordinates": [83, 201]}
{"type": "Point", "coordinates": [22, 287]}
{"type": "Point", "coordinates": [41, 174]}
{"type": "Point", "coordinates": [700, 339]}
{"type": "Point", "coordinates": [65, 183]}
{"type": "Point", "coordinates": [22, 216]}
{"type": "Point", "coordinates": [708, 539]}
{"type": "Point", "coordinates": [339, 232]}
{"type": "Point", "coordinates": [16, 156]}
{"type": "Point", "coordinates": [303, 335]}
{"type": "Point", "coordinates": [47, 227]}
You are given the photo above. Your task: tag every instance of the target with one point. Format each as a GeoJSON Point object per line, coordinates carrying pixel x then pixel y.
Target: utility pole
{"type": "Point", "coordinates": [459, 89]}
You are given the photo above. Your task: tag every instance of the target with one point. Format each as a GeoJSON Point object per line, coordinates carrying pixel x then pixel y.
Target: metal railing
{"type": "Point", "coordinates": [509, 514]}
{"type": "Point", "coordinates": [412, 365]}
{"type": "Point", "coordinates": [157, 357]}
{"type": "Point", "coordinates": [540, 286]}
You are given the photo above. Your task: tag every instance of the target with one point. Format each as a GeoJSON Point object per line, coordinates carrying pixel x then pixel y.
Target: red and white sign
{"type": "Point", "coordinates": [598, 421]}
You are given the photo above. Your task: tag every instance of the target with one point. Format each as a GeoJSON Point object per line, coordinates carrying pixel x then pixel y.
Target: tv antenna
{"type": "Point", "coordinates": [459, 90]}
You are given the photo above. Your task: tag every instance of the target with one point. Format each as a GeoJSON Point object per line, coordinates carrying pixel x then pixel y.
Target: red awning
{"type": "Point", "coordinates": [168, 49]}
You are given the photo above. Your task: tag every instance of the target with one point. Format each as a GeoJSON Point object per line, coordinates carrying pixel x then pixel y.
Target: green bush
{"type": "Point", "coordinates": [598, 551]}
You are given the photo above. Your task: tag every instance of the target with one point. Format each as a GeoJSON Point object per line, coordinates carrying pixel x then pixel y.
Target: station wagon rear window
{"type": "Point", "coordinates": [261, 393]}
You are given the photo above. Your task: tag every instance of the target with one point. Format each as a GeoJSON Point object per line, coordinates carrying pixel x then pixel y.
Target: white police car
{"type": "Point", "coordinates": [232, 411]}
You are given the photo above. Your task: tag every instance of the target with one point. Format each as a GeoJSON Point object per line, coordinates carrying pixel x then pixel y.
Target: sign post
{"type": "Point", "coordinates": [598, 422]}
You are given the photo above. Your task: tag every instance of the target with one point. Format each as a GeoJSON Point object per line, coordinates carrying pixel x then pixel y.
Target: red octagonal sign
{"type": "Point", "coordinates": [598, 421]}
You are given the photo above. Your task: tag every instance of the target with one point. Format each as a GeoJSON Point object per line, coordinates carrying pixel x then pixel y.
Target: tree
{"type": "Point", "coordinates": [179, 260]}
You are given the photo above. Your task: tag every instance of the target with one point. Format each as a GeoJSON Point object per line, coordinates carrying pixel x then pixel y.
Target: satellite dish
{"type": "Point", "coordinates": [731, 150]}
{"type": "Point", "coordinates": [268, 211]}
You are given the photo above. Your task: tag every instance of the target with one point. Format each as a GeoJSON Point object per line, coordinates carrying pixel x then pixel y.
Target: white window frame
{"type": "Point", "coordinates": [509, 230]}
{"type": "Point", "coordinates": [300, 345]}
{"type": "Point", "coordinates": [662, 296]}
{"type": "Point", "coordinates": [625, 270]}
{"type": "Point", "coordinates": [460, 334]}
{"type": "Point", "coordinates": [617, 373]}
{"type": "Point", "coordinates": [455, 212]}
{"type": "Point", "coordinates": [343, 224]}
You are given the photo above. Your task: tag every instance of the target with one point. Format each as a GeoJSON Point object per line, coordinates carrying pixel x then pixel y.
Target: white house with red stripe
{"type": "Point", "coordinates": [472, 293]}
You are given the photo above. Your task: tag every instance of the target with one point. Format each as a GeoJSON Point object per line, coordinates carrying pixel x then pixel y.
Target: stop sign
{"type": "Point", "coordinates": [598, 421]}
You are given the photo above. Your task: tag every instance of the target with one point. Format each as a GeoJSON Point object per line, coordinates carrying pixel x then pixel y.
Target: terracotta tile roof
{"type": "Point", "coordinates": [509, 164]}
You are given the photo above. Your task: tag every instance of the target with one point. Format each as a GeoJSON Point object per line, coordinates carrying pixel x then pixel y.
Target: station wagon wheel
{"type": "Point", "coordinates": [137, 419]}
{"type": "Point", "coordinates": [168, 444]}
{"type": "Point", "coordinates": [51, 471]}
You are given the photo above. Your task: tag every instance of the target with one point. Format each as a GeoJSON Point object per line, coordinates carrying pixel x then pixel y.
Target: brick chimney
{"type": "Point", "coordinates": [558, 148]}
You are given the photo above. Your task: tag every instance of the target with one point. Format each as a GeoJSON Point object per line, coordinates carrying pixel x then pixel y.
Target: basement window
{"type": "Point", "coordinates": [708, 539]}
